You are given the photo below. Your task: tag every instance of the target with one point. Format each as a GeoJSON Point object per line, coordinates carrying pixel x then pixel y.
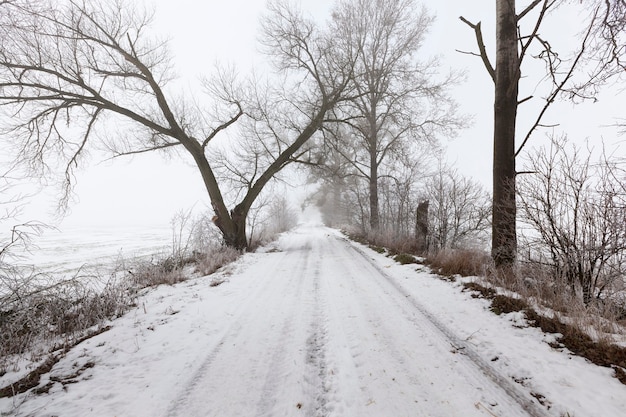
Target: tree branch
{"type": "Point", "coordinates": [223, 126]}
{"type": "Point", "coordinates": [481, 46]}
{"type": "Point", "coordinates": [557, 90]}
{"type": "Point", "coordinates": [528, 9]}
{"type": "Point", "coordinates": [152, 149]}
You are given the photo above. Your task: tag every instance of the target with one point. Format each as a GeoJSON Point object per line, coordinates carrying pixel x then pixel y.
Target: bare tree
{"type": "Point", "coordinates": [606, 55]}
{"type": "Point", "coordinates": [71, 70]}
{"type": "Point", "coordinates": [576, 213]}
{"type": "Point", "coordinates": [459, 210]}
{"type": "Point", "coordinates": [512, 48]}
{"type": "Point", "coordinates": [399, 98]}
{"type": "Point", "coordinates": [399, 189]}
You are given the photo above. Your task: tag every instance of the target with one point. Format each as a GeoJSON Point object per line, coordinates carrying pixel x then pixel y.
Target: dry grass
{"type": "Point", "coordinates": [405, 259]}
{"type": "Point", "coordinates": [533, 282]}
{"type": "Point", "coordinates": [45, 317]}
{"type": "Point", "coordinates": [464, 262]}
{"type": "Point", "coordinates": [381, 242]}
{"type": "Point", "coordinates": [42, 317]}
{"type": "Point", "coordinates": [479, 291]}
{"type": "Point", "coordinates": [152, 274]}
{"type": "Point", "coordinates": [378, 249]}
{"type": "Point", "coordinates": [580, 343]}
{"type": "Point", "coordinates": [502, 304]}
{"type": "Point", "coordinates": [52, 315]}
{"type": "Point", "coordinates": [572, 336]}
{"type": "Point", "coordinates": [216, 258]}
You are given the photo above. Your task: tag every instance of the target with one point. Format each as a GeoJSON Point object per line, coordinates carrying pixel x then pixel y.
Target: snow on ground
{"type": "Point", "coordinates": [319, 326]}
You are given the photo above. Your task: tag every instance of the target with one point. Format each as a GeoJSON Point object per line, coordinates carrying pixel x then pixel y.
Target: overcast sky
{"type": "Point", "coordinates": [149, 189]}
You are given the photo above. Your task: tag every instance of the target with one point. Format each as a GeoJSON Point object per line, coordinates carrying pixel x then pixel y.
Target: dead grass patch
{"type": "Point", "coordinates": [381, 243]}
{"type": "Point", "coordinates": [463, 262]}
{"type": "Point", "coordinates": [378, 249]}
{"type": "Point", "coordinates": [405, 259]}
{"type": "Point", "coordinates": [216, 258]}
{"type": "Point", "coordinates": [580, 343]}
{"type": "Point", "coordinates": [571, 337]}
{"type": "Point", "coordinates": [501, 304]}
{"type": "Point", "coordinates": [479, 291]}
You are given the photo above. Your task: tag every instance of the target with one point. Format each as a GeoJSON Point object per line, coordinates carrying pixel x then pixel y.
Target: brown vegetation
{"type": "Point", "coordinates": [405, 258]}
{"type": "Point", "coordinates": [464, 262]}
{"type": "Point", "coordinates": [570, 336]}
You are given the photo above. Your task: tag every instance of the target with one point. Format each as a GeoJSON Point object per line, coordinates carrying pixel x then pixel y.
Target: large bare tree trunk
{"type": "Point", "coordinates": [421, 226]}
{"type": "Point", "coordinates": [373, 140]}
{"type": "Point", "coordinates": [373, 189]}
{"type": "Point", "coordinates": [504, 237]}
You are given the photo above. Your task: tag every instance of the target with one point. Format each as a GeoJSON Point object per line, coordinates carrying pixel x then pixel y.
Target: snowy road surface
{"type": "Point", "coordinates": [320, 327]}
{"type": "Point", "coordinates": [327, 333]}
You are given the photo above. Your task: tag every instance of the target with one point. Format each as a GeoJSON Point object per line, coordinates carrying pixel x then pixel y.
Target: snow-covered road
{"type": "Point", "coordinates": [318, 326]}
{"type": "Point", "coordinates": [328, 334]}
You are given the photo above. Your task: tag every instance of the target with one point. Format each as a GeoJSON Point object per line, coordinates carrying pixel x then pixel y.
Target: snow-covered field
{"type": "Point", "coordinates": [63, 252]}
{"type": "Point", "coordinates": [319, 326]}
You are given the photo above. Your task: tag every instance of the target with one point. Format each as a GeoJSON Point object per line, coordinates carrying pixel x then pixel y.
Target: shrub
{"type": "Point", "coordinates": [54, 314]}
{"type": "Point", "coordinates": [216, 258]}
{"type": "Point", "coordinates": [153, 273]}
{"type": "Point", "coordinates": [574, 210]}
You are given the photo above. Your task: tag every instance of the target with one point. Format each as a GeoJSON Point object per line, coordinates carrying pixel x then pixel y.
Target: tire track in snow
{"type": "Point", "coordinates": [231, 331]}
{"type": "Point", "coordinates": [378, 352]}
{"type": "Point", "coordinates": [278, 366]}
{"type": "Point", "coordinates": [307, 334]}
{"type": "Point", "coordinates": [317, 374]}
{"type": "Point", "coordinates": [237, 329]}
{"type": "Point", "coordinates": [504, 383]}
{"type": "Point", "coordinates": [178, 405]}
{"type": "Point", "coordinates": [314, 340]}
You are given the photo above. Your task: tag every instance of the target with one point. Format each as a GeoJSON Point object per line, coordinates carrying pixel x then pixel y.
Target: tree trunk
{"type": "Point", "coordinates": [504, 237]}
{"type": "Point", "coordinates": [372, 147]}
{"type": "Point", "coordinates": [233, 224]}
{"type": "Point", "coordinates": [373, 188]}
{"type": "Point", "coordinates": [237, 238]}
{"type": "Point", "coordinates": [421, 226]}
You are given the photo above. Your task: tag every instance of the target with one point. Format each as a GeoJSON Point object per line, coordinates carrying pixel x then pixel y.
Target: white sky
{"type": "Point", "coordinates": [149, 189]}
